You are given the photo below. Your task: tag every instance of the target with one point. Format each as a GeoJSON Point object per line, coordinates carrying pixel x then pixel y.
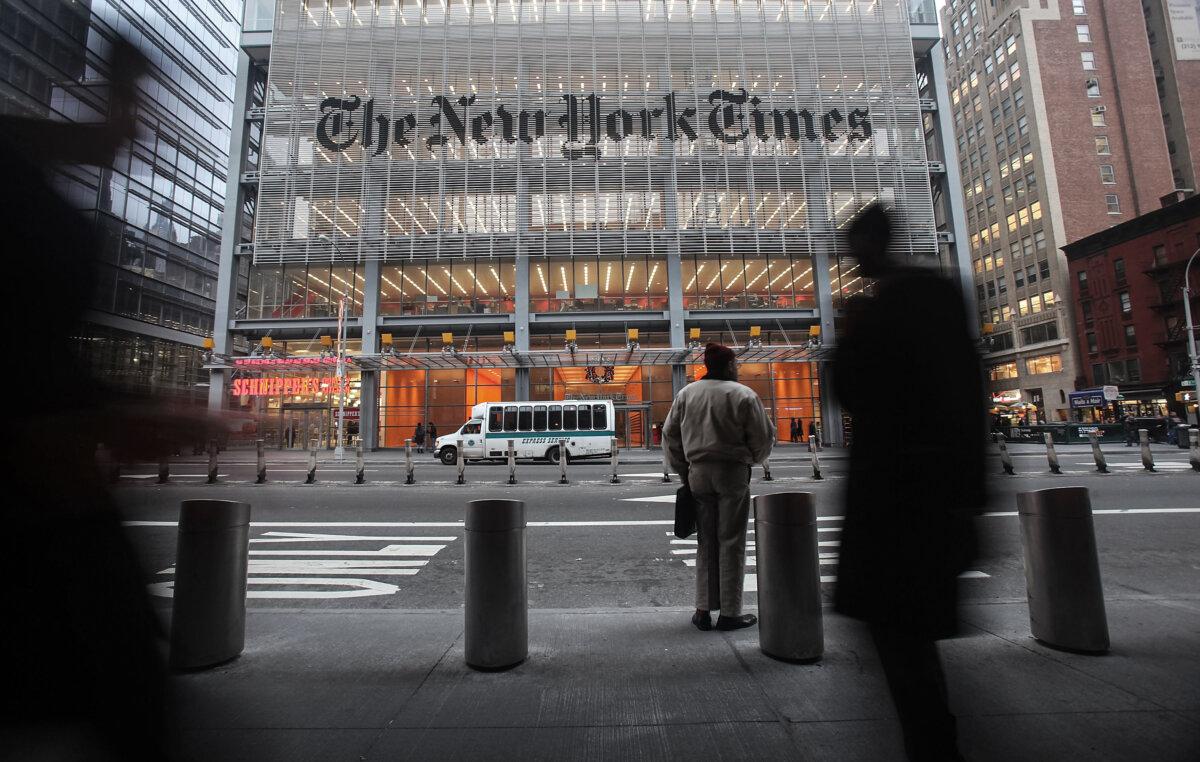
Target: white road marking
{"type": "Point", "coordinates": [306, 537]}
{"type": "Point", "coordinates": [974, 574]}
{"type": "Point", "coordinates": [1170, 465]}
{"type": "Point", "coordinates": [389, 550]}
{"type": "Point", "coordinates": [1112, 511]}
{"type": "Point", "coordinates": [360, 588]}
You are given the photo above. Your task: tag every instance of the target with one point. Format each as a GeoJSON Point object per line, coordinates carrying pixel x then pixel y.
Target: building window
{"type": "Point", "coordinates": [1044, 269]}
{"type": "Point", "coordinates": [1160, 256]}
{"type": "Point", "coordinates": [1031, 274]}
{"type": "Point", "coordinates": [1023, 125]}
{"type": "Point", "coordinates": [1102, 147]}
{"type": "Point", "coordinates": [1082, 33]}
{"type": "Point", "coordinates": [1077, 8]}
{"type": "Point", "coordinates": [1048, 299]}
{"type": "Point", "coordinates": [1093, 87]}
{"type": "Point", "coordinates": [1039, 240]}
{"type": "Point", "coordinates": [1036, 334]}
{"type": "Point", "coordinates": [1119, 270]}
{"type": "Point", "coordinates": [1082, 277]}
{"type": "Point", "coordinates": [1086, 307]}
{"type": "Point", "coordinates": [1108, 175]}
{"type": "Point", "coordinates": [1001, 341]}
{"type": "Point", "coordinates": [1088, 59]}
{"type": "Point", "coordinates": [1113, 203]}
{"type": "Point", "coordinates": [1019, 279]}
{"type": "Point", "coordinates": [1023, 307]}
{"type": "Point", "coordinates": [1098, 116]}
{"type": "Point", "coordinates": [1091, 343]}
{"type": "Point", "coordinates": [1043, 364]}
{"type": "Point", "coordinates": [1130, 336]}
{"type": "Point", "coordinates": [1003, 371]}
{"type": "Point", "coordinates": [1126, 304]}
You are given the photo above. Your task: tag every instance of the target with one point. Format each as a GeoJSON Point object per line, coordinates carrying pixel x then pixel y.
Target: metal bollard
{"type": "Point", "coordinates": [462, 463]}
{"type": "Point", "coordinates": [409, 478]}
{"type": "Point", "coordinates": [212, 461]}
{"type": "Point", "coordinates": [766, 464]}
{"type": "Point", "coordinates": [562, 461]}
{"type": "Point", "coordinates": [612, 448]}
{"type": "Point", "coordinates": [1062, 570]}
{"type": "Point", "coordinates": [1101, 463]}
{"type": "Point", "coordinates": [496, 594]}
{"type": "Point", "coordinates": [1147, 456]}
{"type": "Point", "coordinates": [360, 467]}
{"type": "Point", "coordinates": [512, 462]}
{"type": "Point", "coordinates": [1005, 456]}
{"type": "Point", "coordinates": [816, 461]}
{"type": "Point", "coordinates": [666, 467]}
{"type": "Point", "coordinates": [164, 469]}
{"type": "Point", "coordinates": [1051, 454]}
{"type": "Point", "coordinates": [312, 463]}
{"type": "Point", "coordinates": [789, 576]}
{"type": "Point", "coordinates": [262, 462]}
{"type": "Point", "coordinates": [1194, 449]}
{"type": "Point", "coordinates": [208, 610]}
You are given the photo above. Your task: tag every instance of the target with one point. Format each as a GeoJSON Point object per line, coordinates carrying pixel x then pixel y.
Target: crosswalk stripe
{"type": "Point", "coordinates": [390, 550]}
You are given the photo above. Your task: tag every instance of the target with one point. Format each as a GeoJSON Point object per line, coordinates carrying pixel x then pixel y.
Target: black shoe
{"type": "Point", "coordinates": [702, 620]}
{"type": "Point", "coordinates": [736, 622]}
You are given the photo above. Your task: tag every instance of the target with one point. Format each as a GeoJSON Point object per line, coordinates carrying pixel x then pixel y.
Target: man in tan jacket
{"type": "Point", "coordinates": [716, 431]}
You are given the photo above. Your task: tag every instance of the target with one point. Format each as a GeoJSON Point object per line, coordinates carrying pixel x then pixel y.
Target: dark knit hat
{"type": "Point", "coordinates": [717, 356]}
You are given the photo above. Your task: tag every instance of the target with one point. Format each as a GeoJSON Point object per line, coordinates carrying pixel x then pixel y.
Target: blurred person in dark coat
{"type": "Point", "coordinates": [916, 478]}
{"type": "Point", "coordinates": [83, 677]}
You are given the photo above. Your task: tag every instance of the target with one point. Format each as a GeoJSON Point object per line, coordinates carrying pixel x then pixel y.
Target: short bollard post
{"type": "Point", "coordinates": [816, 461]}
{"type": "Point", "coordinates": [462, 463]}
{"type": "Point", "coordinates": [1101, 463]}
{"type": "Point", "coordinates": [1051, 453]}
{"type": "Point", "coordinates": [1194, 449]}
{"type": "Point", "coordinates": [1005, 455]}
{"type": "Point", "coordinates": [789, 576]}
{"type": "Point", "coordinates": [312, 463]}
{"type": "Point", "coordinates": [1147, 456]}
{"type": "Point", "coordinates": [1062, 569]}
{"type": "Point", "coordinates": [408, 463]}
{"type": "Point", "coordinates": [666, 467]}
{"type": "Point", "coordinates": [612, 448]}
{"type": "Point", "coordinates": [360, 466]}
{"type": "Point", "coordinates": [261, 455]}
{"type": "Point", "coordinates": [562, 461]}
{"type": "Point", "coordinates": [208, 609]}
{"type": "Point", "coordinates": [496, 597]}
{"type": "Point", "coordinates": [164, 469]}
{"type": "Point", "coordinates": [212, 461]}
{"type": "Point", "coordinates": [766, 464]}
{"type": "Point", "coordinates": [512, 462]}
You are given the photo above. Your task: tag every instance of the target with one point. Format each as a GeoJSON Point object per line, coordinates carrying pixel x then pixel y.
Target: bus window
{"type": "Point", "coordinates": [496, 418]}
{"type": "Point", "coordinates": [510, 417]}
{"type": "Point", "coordinates": [600, 417]}
{"type": "Point", "coordinates": [539, 417]}
{"type": "Point", "coordinates": [555, 418]}
{"type": "Point", "coordinates": [525, 419]}
{"type": "Point", "coordinates": [569, 422]}
{"type": "Point", "coordinates": [585, 418]}
{"type": "Point", "coordinates": [471, 428]}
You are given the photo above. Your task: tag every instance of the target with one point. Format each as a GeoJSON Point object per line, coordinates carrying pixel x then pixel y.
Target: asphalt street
{"type": "Point", "coordinates": [593, 544]}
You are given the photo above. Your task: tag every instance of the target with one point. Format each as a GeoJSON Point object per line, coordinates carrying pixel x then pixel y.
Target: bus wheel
{"type": "Point", "coordinates": [448, 456]}
{"type": "Point", "coordinates": [552, 455]}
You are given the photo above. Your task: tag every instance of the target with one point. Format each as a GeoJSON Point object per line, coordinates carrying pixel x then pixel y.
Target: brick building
{"type": "Point", "coordinates": [1059, 130]}
{"type": "Point", "coordinates": [1127, 304]}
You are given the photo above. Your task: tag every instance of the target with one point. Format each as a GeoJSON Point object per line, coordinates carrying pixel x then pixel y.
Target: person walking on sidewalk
{"type": "Point", "coordinates": [431, 434]}
{"type": "Point", "coordinates": [419, 437]}
{"type": "Point", "coordinates": [715, 432]}
{"type": "Point", "coordinates": [910, 505]}
{"type": "Point", "coordinates": [1129, 430]}
{"type": "Point", "coordinates": [795, 431]}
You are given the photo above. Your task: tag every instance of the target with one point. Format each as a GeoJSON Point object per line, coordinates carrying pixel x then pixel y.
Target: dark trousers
{"type": "Point", "coordinates": [918, 687]}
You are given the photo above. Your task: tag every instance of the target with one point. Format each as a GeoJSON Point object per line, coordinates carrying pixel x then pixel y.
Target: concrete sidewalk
{"type": "Point", "coordinates": [357, 684]}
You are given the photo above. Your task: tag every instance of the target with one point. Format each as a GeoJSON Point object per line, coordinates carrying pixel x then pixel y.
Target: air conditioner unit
{"type": "Point", "coordinates": [937, 168]}
{"type": "Point", "coordinates": [245, 249]}
{"type": "Point", "coordinates": [256, 114]}
{"type": "Point", "coordinates": [928, 104]}
{"type": "Point", "coordinates": [250, 178]}
{"type": "Point", "coordinates": [945, 237]}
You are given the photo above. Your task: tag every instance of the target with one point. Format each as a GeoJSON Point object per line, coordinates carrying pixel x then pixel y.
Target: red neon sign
{"type": "Point", "coordinates": [270, 387]}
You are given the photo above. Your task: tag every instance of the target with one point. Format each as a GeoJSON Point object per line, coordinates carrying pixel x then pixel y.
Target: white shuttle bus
{"type": "Point", "coordinates": [535, 428]}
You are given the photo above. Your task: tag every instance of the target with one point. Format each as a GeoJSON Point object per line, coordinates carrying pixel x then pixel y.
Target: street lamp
{"type": "Point", "coordinates": [1193, 354]}
{"type": "Point", "coordinates": [339, 452]}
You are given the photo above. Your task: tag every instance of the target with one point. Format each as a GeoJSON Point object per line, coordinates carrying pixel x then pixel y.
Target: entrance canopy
{"type": "Point", "coordinates": [565, 359]}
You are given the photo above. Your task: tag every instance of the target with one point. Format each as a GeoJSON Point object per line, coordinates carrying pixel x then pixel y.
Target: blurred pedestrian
{"type": "Point", "coordinates": [795, 431]}
{"type": "Point", "coordinates": [84, 678]}
{"type": "Point", "coordinates": [419, 436]}
{"type": "Point", "coordinates": [910, 503]}
{"type": "Point", "coordinates": [715, 432]}
{"type": "Point", "coordinates": [1128, 425]}
{"type": "Point", "coordinates": [431, 433]}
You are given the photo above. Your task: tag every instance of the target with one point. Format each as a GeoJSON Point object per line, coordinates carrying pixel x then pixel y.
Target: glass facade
{"type": "Point", "coordinates": [159, 209]}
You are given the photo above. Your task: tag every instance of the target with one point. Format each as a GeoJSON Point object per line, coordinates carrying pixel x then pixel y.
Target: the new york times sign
{"type": "Point", "coordinates": [585, 120]}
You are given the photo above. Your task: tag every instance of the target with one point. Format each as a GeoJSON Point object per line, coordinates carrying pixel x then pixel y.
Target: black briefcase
{"type": "Point", "coordinates": [685, 512]}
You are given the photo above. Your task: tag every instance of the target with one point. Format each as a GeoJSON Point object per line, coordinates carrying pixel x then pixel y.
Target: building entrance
{"type": "Point", "coordinates": [633, 425]}
{"type": "Point", "coordinates": [301, 425]}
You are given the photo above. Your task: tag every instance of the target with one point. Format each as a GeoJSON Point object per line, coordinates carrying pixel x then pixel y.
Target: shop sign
{"type": "Point", "coordinates": [274, 362]}
{"type": "Point", "coordinates": [1086, 399]}
{"type": "Point", "coordinates": [345, 121]}
{"type": "Point", "coordinates": [1111, 393]}
{"type": "Point", "coordinates": [297, 385]}
{"type": "Point", "coordinates": [351, 414]}
{"type": "Point", "coordinates": [1006, 397]}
